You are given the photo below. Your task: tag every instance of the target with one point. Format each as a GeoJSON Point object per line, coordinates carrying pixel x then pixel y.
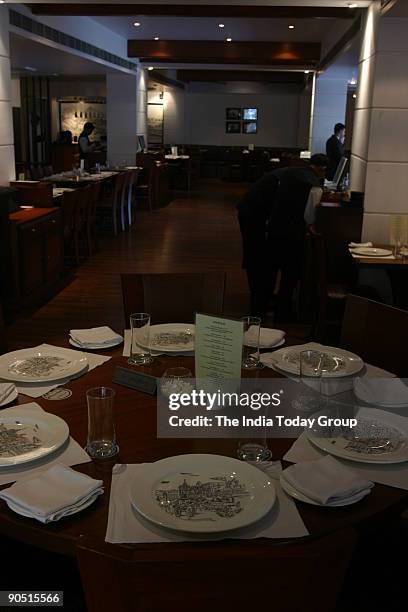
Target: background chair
{"type": "Point", "coordinates": [110, 206]}
{"type": "Point", "coordinates": [173, 297]}
{"type": "Point", "coordinates": [376, 332]}
{"type": "Point", "coordinates": [306, 575]}
{"type": "Point", "coordinates": [94, 196]}
{"type": "Point", "coordinates": [69, 203]}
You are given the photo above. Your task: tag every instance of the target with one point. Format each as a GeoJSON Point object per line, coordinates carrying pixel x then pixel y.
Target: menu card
{"type": "Point", "coordinates": [218, 349]}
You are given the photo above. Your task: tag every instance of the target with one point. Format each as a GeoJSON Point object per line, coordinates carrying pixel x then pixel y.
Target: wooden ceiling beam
{"type": "Point", "coordinates": [216, 52]}
{"type": "Point", "coordinates": [202, 10]}
{"type": "Point", "coordinates": [260, 76]}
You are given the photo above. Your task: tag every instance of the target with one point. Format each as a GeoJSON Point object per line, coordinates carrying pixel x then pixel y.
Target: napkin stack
{"type": "Point", "coordinates": [6, 390]}
{"type": "Point", "coordinates": [55, 493]}
{"type": "Point", "coordinates": [360, 245]}
{"type": "Point", "coordinates": [267, 337]}
{"type": "Point", "coordinates": [95, 337]}
{"type": "Point", "coordinates": [327, 482]}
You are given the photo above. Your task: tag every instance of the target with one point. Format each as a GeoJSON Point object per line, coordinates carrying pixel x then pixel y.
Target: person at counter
{"type": "Point", "coordinates": [85, 145]}
{"type": "Point", "coordinates": [274, 216]}
{"type": "Point", "coordinates": [335, 149]}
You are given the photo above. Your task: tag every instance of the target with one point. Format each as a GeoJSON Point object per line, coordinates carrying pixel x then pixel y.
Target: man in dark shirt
{"type": "Point", "coordinates": [335, 149]}
{"type": "Point", "coordinates": [273, 221]}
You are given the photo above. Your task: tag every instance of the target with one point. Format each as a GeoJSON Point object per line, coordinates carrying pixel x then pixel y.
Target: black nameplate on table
{"type": "Point", "coordinates": [135, 380]}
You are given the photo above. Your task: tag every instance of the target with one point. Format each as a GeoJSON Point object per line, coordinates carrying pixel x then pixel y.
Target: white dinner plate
{"type": "Point", "coordinates": [96, 347]}
{"type": "Point", "coordinates": [371, 252]}
{"type": "Point", "coordinates": [380, 437]}
{"type": "Point", "coordinates": [202, 493]}
{"type": "Point", "coordinates": [13, 396]}
{"type": "Point", "coordinates": [27, 435]}
{"type": "Point", "coordinates": [37, 366]}
{"type": "Point", "coordinates": [290, 490]}
{"type": "Point", "coordinates": [171, 338]}
{"type": "Point", "coordinates": [337, 362]}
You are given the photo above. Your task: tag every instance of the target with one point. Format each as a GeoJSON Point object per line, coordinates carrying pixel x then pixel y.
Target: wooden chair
{"type": "Point", "coordinates": [95, 191]}
{"type": "Point", "coordinates": [69, 204]}
{"type": "Point", "coordinates": [303, 575]}
{"type": "Point", "coordinates": [127, 198]}
{"type": "Point", "coordinates": [111, 205]}
{"type": "Point", "coordinates": [80, 223]}
{"type": "Point", "coordinates": [376, 332]}
{"type": "Point", "coordinates": [173, 297]}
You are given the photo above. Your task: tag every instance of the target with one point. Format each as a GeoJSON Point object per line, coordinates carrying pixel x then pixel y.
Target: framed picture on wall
{"type": "Point", "coordinates": [249, 127]}
{"type": "Point", "coordinates": [250, 114]}
{"type": "Point", "coordinates": [233, 114]}
{"type": "Point", "coordinates": [233, 127]}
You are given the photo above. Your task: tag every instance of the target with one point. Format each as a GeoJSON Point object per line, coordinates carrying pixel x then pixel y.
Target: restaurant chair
{"type": "Point", "coordinates": [378, 333]}
{"type": "Point", "coordinates": [80, 223]}
{"type": "Point", "coordinates": [238, 575]}
{"type": "Point", "coordinates": [110, 206]}
{"type": "Point", "coordinates": [174, 297]}
{"type": "Point", "coordinates": [127, 198]}
{"type": "Point", "coordinates": [69, 204]}
{"type": "Point", "coordinates": [131, 194]}
{"type": "Point", "coordinates": [95, 192]}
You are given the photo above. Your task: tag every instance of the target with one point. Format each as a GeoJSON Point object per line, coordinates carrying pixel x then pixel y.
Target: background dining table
{"type": "Point", "coordinates": [135, 418]}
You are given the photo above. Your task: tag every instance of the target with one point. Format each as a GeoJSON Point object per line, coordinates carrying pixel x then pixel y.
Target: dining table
{"type": "Point", "coordinates": [135, 420]}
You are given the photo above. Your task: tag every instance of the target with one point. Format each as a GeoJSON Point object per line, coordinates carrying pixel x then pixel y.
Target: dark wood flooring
{"type": "Point", "coordinates": [199, 233]}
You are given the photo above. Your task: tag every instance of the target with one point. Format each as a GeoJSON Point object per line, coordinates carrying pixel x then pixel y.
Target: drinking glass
{"type": "Point", "coordinates": [101, 442]}
{"type": "Point", "coordinates": [176, 380]}
{"type": "Point", "coordinates": [310, 370]}
{"type": "Point", "coordinates": [140, 353]}
{"type": "Point", "coordinates": [250, 346]}
{"type": "Point", "coordinates": [255, 450]}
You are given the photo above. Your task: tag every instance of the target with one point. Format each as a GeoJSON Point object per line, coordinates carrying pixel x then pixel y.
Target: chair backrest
{"type": "Point", "coordinates": [68, 207]}
{"type": "Point", "coordinates": [376, 332]}
{"type": "Point", "coordinates": [119, 186]}
{"type": "Point", "coordinates": [205, 576]}
{"type": "Point", "coordinates": [83, 204]}
{"type": "Point", "coordinates": [173, 297]}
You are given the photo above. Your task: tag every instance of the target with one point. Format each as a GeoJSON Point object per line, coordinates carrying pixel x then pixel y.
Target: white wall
{"type": "Point", "coordinates": [121, 118]}
{"type": "Point", "coordinates": [329, 108]}
{"type": "Point", "coordinates": [278, 115]}
{"type": "Point", "coordinates": [7, 168]}
{"type": "Point", "coordinates": [174, 116]}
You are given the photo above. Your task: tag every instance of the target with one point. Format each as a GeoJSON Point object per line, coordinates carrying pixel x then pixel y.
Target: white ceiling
{"type": "Point", "coordinates": [49, 61]}
{"type": "Point", "coordinates": [206, 28]}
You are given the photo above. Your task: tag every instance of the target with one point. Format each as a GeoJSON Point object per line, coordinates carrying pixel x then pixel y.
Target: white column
{"type": "Point", "coordinates": [141, 120]}
{"type": "Point", "coordinates": [121, 118]}
{"type": "Point", "coordinates": [329, 108]}
{"type": "Point", "coordinates": [380, 145]}
{"type": "Point", "coordinates": [7, 164]}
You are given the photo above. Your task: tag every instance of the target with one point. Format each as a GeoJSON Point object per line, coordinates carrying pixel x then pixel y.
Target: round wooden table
{"type": "Point", "coordinates": [135, 417]}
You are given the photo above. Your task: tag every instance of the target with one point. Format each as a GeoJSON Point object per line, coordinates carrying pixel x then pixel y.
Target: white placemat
{"type": "Point", "coordinates": [395, 475]}
{"type": "Point", "coordinates": [125, 525]}
{"type": "Point", "coordinates": [127, 342]}
{"type": "Point", "coordinates": [70, 454]}
{"type": "Point", "coordinates": [37, 390]}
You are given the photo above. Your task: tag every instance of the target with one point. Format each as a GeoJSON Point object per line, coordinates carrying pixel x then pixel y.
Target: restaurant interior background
{"type": "Point", "coordinates": [193, 103]}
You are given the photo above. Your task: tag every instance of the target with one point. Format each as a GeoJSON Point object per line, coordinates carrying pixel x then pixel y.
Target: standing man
{"type": "Point", "coordinates": [274, 216]}
{"type": "Point", "coordinates": [335, 149]}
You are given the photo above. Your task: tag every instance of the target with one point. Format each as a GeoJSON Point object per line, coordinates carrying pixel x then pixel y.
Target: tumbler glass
{"type": "Point", "coordinates": [140, 353]}
{"type": "Point", "coordinates": [310, 370]}
{"type": "Point", "coordinates": [101, 442]}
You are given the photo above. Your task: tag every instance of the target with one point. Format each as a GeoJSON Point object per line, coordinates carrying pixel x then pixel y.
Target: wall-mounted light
{"type": "Point", "coordinates": [229, 39]}
{"type": "Point", "coordinates": [221, 25]}
{"type": "Point", "coordinates": [291, 27]}
{"type": "Point", "coordinates": [150, 68]}
{"type": "Point", "coordinates": [156, 38]}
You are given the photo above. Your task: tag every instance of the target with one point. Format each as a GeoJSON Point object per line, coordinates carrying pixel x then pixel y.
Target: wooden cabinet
{"type": "Point", "coordinates": [37, 253]}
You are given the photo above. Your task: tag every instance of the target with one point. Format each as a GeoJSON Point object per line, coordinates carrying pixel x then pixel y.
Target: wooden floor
{"type": "Point", "coordinates": [198, 234]}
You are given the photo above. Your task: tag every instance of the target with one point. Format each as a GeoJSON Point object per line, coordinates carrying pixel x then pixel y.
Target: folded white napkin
{"type": "Point", "coordinates": [391, 391]}
{"type": "Point", "coordinates": [327, 481]}
{"type": "Point", "coordinates": [267, 337]}
{"type": "Point", "coordinates": [94, 335]}
{"type": "Point", "coordinates": [6, 389]}
{"type": "Point", "coordinates": [359, 245]}
{"type": "Point", "coordinates": [55, 493]}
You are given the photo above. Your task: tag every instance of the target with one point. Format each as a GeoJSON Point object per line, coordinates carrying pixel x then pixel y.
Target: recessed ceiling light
{"type": "Point", "coordinates": [137, 24]}
{"type": "Point", "coordinates": [221, 25]}
{"type": "Point", "coordinates": [352, 5]}
{"type": "Point", "coordinates": [150, 68]}
{"type": "Point", "coordinates": [229, 39]}
{"type": "Point", "coordinates": [307, 71]}
{"type": "Point", "coordinates": [291, 27]}
{"type": "Point", "coordinates": [156, 38]}
{"type": "Point", "coordinates": [354, 96]}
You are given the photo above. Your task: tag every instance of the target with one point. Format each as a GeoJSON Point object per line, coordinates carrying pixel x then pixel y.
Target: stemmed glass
{"type": "Point", "coordinates": [250, 346]}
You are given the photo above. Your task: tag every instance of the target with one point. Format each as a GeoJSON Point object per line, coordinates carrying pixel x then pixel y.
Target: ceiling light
{"type": "Point", "coordinates": [221, 25]}
{"type": "Point", "coordinates": [156, 38]}
{"type": "Point", "coordinates": [354, 96]}
{"type": "Point", "coordinates": [150, 68]}
{"type": "Point", "coordinates": [229, 39]}
{"type": "Point", "coordinates": [352, 5]}
{"type": "Point", "coordinates": [307, 71]}
{"type": "Point", "coordinates": [30, 68]}
{"type": "Point", "coordinates": [137, 24]}
{"type": "Point", "coordinates": [291, 27]}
